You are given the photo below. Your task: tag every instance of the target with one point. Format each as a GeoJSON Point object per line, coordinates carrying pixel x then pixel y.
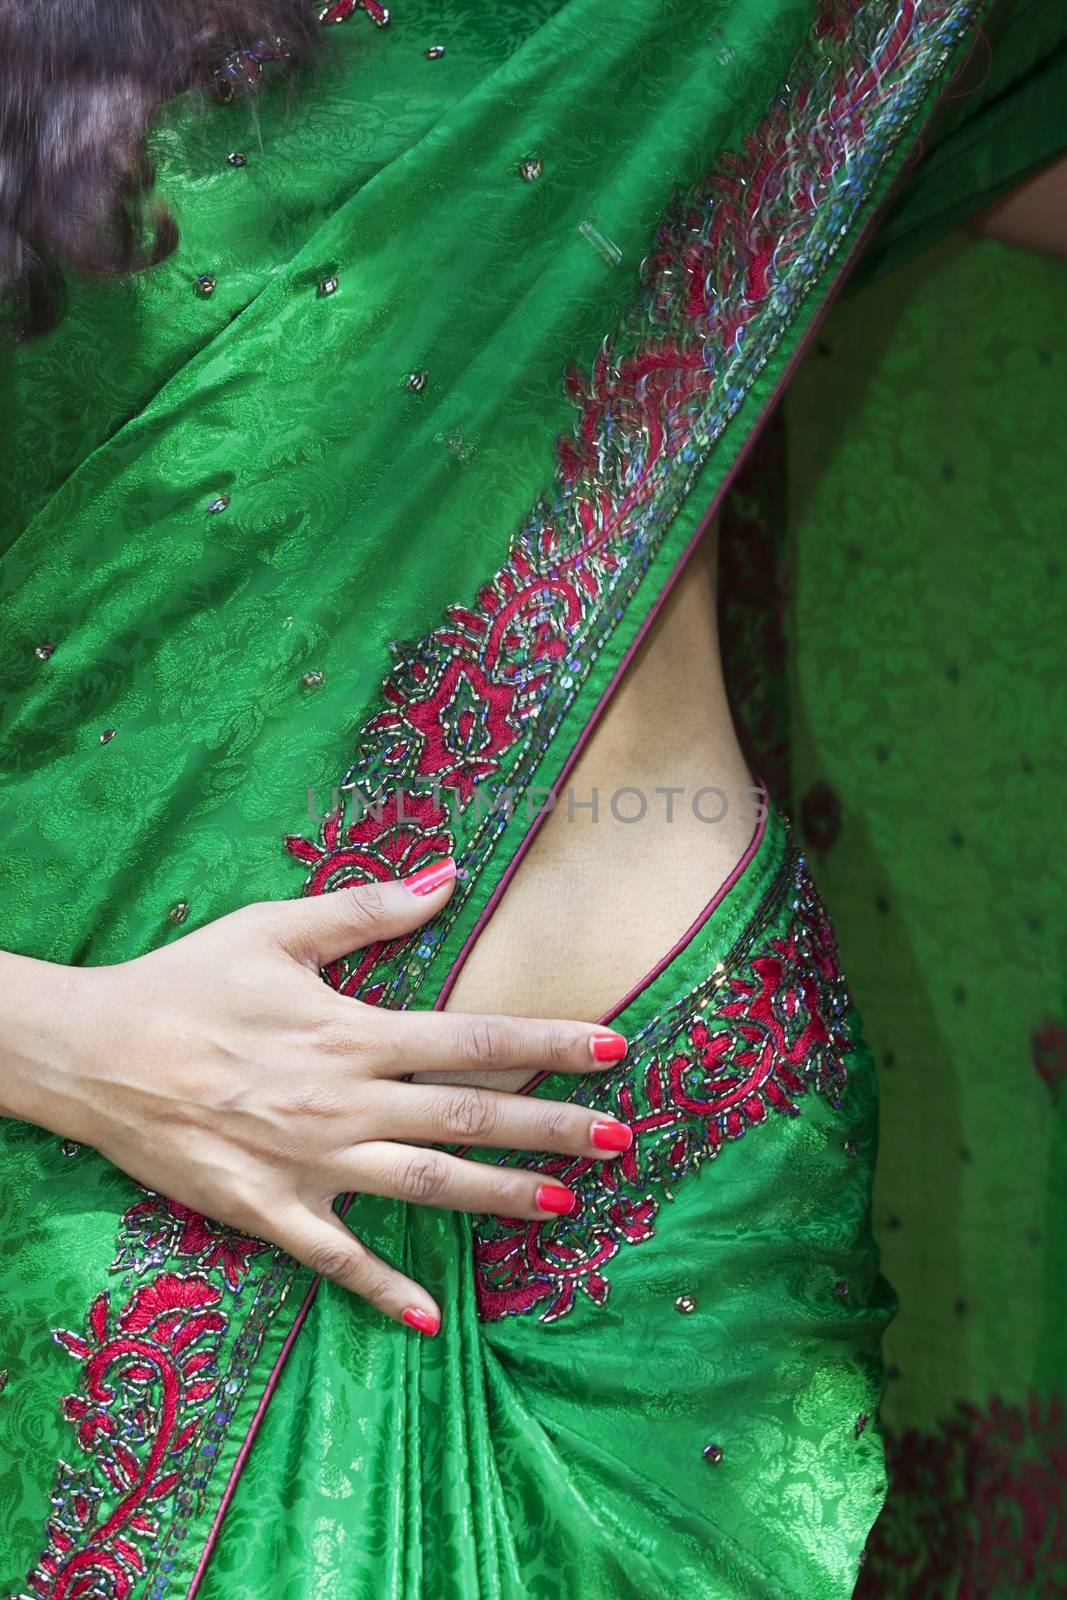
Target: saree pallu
{"type": "Point", "coordinates": [294, 538]}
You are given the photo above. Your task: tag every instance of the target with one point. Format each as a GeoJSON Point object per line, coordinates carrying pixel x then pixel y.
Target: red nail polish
{"type": "Point", "coordinates": [432, 876]}
{"type": "Point", "coordinates": [607, 1046]}
{"type": "Point", "coordinates": [612, 1136]}
{"type": "Point", "coordinates": [421, 1320]}
{"type": "Point", "coordinates": [552, 1197]}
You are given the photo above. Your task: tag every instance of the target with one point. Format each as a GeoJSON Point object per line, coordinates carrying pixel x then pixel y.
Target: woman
{"type": "Point", "coordinates": [204, 579]}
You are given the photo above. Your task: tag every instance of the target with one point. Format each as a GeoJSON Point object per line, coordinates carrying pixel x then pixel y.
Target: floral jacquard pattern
{"type": "Point", "coordinates": [762, 1030]}
{"type": "Point", "coordinates": [476, 703]}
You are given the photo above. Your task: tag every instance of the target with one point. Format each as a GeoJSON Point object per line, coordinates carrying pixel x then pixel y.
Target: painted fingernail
{"type": "Point", "coordinates": [421, 1320]}
{"type": "Point", "coordinates": [431, 877]}
{"type": "Point", "coordinates": [612, 1136]}
{"type": "Point", "coordinates": [553, 1197]}
{"type": "Point", "coordinates": [607, 1046]}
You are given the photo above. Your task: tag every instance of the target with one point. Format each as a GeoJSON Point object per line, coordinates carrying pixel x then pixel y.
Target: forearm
{"type": "Point", "coordinates": [41, 1021]}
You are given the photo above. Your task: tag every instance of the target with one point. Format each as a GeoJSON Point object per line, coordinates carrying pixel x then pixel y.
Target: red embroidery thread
{"type": "Point", "coordinates": [474, 705]}
{"type": "Point", "coordinates": [763, 1029]}
{"type": "Point", "coordinates": [483, 695]}
{"type": "Point", "coordinates": [146, 1377]}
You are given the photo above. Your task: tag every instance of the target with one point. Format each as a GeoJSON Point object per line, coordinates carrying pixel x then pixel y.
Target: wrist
{"type": "Point", "coordinates": [42, 1026]}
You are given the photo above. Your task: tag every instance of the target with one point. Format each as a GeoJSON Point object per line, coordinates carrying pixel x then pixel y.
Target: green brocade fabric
{"type": "Point", "coordinates": [307, 514]}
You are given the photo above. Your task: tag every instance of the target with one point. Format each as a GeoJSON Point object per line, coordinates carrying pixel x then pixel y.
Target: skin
{"type": "Point", "coordinates": [595, 903]}
{"type": "Point", "coordinates": [268, 1094]}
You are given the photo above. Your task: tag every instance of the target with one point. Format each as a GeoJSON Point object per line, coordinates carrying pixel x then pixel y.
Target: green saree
{"type": "Point", "coordinates": [305, 517]}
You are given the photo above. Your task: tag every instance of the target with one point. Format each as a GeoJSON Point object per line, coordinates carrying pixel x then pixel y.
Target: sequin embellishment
{"type": "Point", "coordinates": [478, 700]}
{"type": "Point", "coordinates": [465, 718]}
{"type": "Point", "coordinates": [765, 1027]}
{"type": "Point", "coordinates": [159, 1375]}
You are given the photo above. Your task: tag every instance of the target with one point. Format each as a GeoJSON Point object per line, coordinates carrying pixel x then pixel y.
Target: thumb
{"type": "Point", "coordinates": [322, 928]}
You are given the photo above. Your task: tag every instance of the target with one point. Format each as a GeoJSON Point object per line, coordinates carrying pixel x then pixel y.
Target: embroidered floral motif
{"type": "Point", "coordinates": [476, 703]}
{"type": "Point", "coordinates": [158, 1383]}
{"type": "Point", "coordinates": [390, 840]}
{"type": "Point", "coordinates": [245, 65]}
{"type": "Point", "coordinates": [147, 1376]}
{"type": "Point", "coordinates": [157, 1228]}
{"type": "Point", "coordinates": [755, 1036]}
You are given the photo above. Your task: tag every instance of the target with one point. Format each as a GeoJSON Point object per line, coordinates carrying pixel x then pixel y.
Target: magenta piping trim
{"type": "Point", "coordinates": [776, 393]}
{"type": "Point", "coordinates": [246, 1445]}
{"type": "Point", "coordinates": [253, 1426]}
{"type": "Point", "coordinates": [676, 948]}
{"type": "Point", "coordinates": [801, 350]}
{"type": "Point", "coordinates": [494, 899]}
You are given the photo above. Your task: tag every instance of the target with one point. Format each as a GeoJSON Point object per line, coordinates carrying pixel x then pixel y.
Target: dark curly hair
{"type": "Point", "coordinates": [80, 82]}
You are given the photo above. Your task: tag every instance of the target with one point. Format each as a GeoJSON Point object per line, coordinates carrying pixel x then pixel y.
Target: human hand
{"type": "Point", "coordinates": [222, 1072]}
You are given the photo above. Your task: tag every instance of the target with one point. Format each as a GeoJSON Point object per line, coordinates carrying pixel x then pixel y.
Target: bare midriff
{"type": "Point", "coordinates": [596, 902]}
{"type": "Point", "coordinates": [600, 896]}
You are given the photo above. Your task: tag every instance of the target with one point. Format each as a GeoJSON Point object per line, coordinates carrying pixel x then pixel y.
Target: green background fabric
{"type": "Point", "coordinates": [926, 620]}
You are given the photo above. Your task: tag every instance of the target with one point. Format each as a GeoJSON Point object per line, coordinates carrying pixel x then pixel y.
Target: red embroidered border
{"type": "Point", "coordinates": [767, 1025]}
{"type": "Point", "coordinates": [471, 709]}
{"type": "Point", "coordinates": [482, 697]}
{"type": "Point", "coordinates": [156, 1386]}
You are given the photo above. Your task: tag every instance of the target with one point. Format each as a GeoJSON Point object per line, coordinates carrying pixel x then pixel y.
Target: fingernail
{"type": "Point", "coordinates": [553, 1197]}
{"type": "Point", "coordinates": [421, 1320]}
{"type": "Point", "coordinates": [607, 1046]}
{"type": "Point", "coordinates": [612, 1136]}
{"type": "Point", "coordinates": [431, 877]}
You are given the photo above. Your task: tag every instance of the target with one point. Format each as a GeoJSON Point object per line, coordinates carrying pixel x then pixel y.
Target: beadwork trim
{"type": "Point", "coordinates": [477, 704]}
{"type": "Point", "coordinates": [159, 1381]}
{"type": "Point", "coordinates": [469, 712]}
{"type": "Point", "coordinates": [765, 1026]}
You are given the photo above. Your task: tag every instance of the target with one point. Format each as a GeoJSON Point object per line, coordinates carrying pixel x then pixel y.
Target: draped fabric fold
{"type": "Point", "coordinates": [366, 493]}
